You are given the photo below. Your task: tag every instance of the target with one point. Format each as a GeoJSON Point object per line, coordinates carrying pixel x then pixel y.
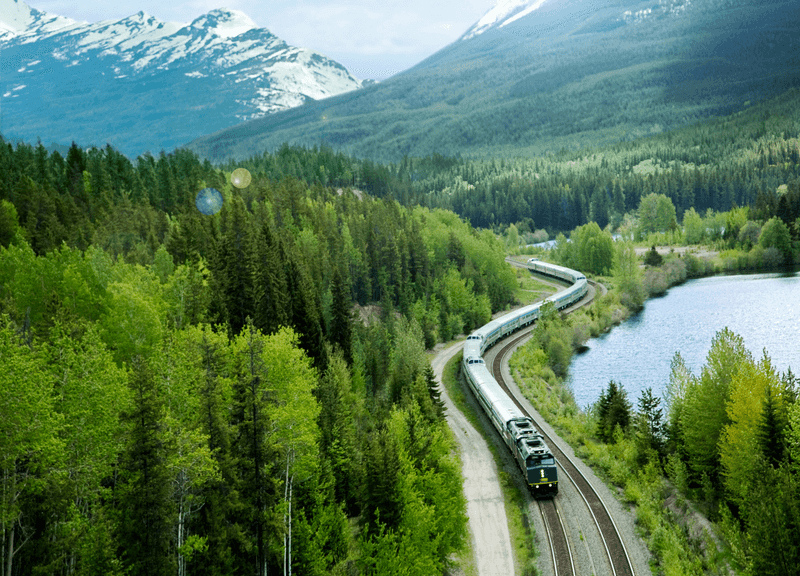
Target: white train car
{"type": "Point", "coordinates": [531, 453]}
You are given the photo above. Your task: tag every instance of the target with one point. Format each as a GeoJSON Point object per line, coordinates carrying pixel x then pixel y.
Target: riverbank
{"type": "Point", "coordinates": [681, 540]}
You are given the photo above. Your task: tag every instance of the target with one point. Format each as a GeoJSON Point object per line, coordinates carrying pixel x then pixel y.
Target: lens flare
{"type": "Point", "coordinates": [209, 201]}
{"type": "Point", "coordinates": [241, 178]}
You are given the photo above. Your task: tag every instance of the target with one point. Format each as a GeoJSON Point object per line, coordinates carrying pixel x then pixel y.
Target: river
{"type": "Point", "coordinates": [762, 308]}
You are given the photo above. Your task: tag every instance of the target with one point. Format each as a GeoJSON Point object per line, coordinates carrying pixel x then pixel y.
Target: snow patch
{"type": "Point", "coordinates": [503, 13]}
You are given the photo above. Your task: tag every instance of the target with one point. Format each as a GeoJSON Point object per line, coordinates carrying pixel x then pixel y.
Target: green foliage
{"type": "Point", "coordinates": [648, 426]}
{"type": "Point", "coordinates": [772, 518]}
{"type": "Point", "coordinates": [775, 234]}
{"type": "Point", "coordinates": [30, 446]}
{"type": "Point", "coordinates": [656, 214]}
{"type": "Point", "coordinates": [144, 493]}
{"type": "Point", "coordinates": [9, 223]}
{"type": "Point", "coordinates": [554, 337]}
{"type": "Point", "coordinates": [613, 411]}
{"type": "Point", "coordinates": [591, 250]}
{"type": "Point", "coordinates": [706, 401]}
{"type": "Point", "coordinates": [653, 258]}
{"type": "Point", "coordinates": [749, 234]}
{"type": "Point", "coordinates": [681, 380]}
{"type": "Point", "coordinates": [165, 444]}
{"type": "Point", "coordinates": [628, 276]}
{"type": "Point", "coordinates": [693, 226]}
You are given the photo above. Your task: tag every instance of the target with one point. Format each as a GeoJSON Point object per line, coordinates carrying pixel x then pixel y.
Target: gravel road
{"type": "Point", "coordinates": [488, 524]}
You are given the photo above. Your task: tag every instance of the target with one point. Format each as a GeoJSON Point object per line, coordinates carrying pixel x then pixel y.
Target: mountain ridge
{"type": "Point", "coordinates": [566, 74]}
{"type": "Point", "coordinates": [135, 72]}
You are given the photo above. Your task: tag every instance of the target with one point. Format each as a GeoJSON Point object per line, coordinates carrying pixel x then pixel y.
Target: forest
{"type": "Point", "coordinates": [241, 392]}
{"type": "Point", "coordinates": [711, 467]}
{"type": "Point", "coordinates": [738, 160]}
{"type": "Point", "coordinates": [246, 389]}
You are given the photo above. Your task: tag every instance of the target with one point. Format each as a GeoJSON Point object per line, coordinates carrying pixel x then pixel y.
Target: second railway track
{"type": "Point", "coordinates": [595, 513]}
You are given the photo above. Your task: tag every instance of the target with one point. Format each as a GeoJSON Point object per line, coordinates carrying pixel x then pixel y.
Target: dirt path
{"type": "Point", "coordinates": [488, 524]}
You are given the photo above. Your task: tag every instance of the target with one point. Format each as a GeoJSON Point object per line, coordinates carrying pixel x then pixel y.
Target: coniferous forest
{"type": "Point", "coordinates": [246, 390]}
{"type": "Point", "coordinates": [243, 392]}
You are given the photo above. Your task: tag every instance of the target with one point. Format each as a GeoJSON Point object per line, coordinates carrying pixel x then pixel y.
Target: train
{"type": "Point", "coordinates": [533, 457]}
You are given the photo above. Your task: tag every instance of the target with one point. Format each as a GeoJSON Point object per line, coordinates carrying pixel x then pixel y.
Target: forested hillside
{"type": "Point", "coordinates": [242, 392]}
{"type": "Point", "coordinates": [566, 74]}
{"type": "Point", "coordinates": [749, 158]}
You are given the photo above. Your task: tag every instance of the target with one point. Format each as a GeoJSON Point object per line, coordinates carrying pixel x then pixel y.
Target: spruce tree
{"type": "Point", "coordinates": [144, 530]}
{"type": "Point", "coordinates": [271, 301]}
{"type": "Point", "coordinates": [254, 453]}
{"type": "Point", "coordinates": [433, 390]}
{"type": "Point", "coordinates": [770, 430]}
{"type": "Point", "coordinates": [341, 329]}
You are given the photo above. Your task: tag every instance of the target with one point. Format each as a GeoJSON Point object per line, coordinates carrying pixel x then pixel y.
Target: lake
{"type": "Point", "coordinates": [762, 308]}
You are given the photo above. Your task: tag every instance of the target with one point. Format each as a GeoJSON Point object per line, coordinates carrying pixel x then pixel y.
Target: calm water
{"type": "Point", "coordinates": [762, 308]}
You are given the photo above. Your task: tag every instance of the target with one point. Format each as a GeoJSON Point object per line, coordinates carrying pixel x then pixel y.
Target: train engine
{"type": "Point", "coordinates": [533, 457]}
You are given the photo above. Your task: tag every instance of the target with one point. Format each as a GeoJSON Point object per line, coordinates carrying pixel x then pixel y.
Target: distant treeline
{"type": "Point", "coordinates": [740, 160]}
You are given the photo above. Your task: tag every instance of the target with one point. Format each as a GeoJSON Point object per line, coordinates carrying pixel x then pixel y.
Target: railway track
{"type": "Point", "coordinates": [560, 551]}
{"type": "Point", "coordinates": [562, 555]}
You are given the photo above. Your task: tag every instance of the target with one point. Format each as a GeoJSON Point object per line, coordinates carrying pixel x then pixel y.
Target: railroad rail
{"type": "Point", "coordinates": [562, 557]}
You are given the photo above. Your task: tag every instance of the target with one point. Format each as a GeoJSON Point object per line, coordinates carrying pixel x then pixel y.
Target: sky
{"type": "Point", "coordinates": [372, 38]}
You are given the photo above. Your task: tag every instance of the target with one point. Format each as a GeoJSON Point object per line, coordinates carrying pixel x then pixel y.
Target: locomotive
{"type": "Point", "coordinates": [526, 444]}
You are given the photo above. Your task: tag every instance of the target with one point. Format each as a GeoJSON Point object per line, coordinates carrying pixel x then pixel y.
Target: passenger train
{"type": "Point", "coordinates": [517, 430]}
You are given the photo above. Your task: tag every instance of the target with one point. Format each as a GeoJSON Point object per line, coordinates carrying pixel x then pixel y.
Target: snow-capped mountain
{"type": "Point", "coordinates": [506, 12]}
{"type": "Point", "coordinates": [503, 13]}
{"type": "Point", "coordinates": [142, 84]}
{"type": "Point", "coordinates": [540, 76]}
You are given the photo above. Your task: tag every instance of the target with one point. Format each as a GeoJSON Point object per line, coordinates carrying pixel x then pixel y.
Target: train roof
{"type": "Point", "coordinates": [533, 446]}
{"type": "Point", "coordinates": [522, 427]}
{"type": "Point", "coordinates": [557, 267]}
{"type": "Point", "coordinates": [494, 394]}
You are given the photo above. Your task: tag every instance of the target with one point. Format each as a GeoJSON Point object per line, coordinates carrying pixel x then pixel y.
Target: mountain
{"type": "Point", "coordinates": [537, 76]}
{"type": "Point", "coordinates": [145, 85]}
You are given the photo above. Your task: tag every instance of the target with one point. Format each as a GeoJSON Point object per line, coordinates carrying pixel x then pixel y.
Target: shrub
{"type": "Point", "coordinates": [675, 270]}
{"type": "Point", "coordinates": [655, 281]}
{"type": "Point", "coordinates": [773, 258]}
{"type": "Point", "coordinates": [652, 257]}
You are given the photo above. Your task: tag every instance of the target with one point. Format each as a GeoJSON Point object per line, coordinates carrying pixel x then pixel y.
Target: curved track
{"type": "Point", "coordinates": [562, 557]}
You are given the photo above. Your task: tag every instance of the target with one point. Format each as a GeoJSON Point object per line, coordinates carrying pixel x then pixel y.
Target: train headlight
{"type": "Point", "coordinates": [550, 485]}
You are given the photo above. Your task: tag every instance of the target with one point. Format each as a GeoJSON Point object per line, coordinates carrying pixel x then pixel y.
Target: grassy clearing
{"type": "Point", "coordinates": [521, 532]}
{"type": "Point", "coordinates": [529, 288]}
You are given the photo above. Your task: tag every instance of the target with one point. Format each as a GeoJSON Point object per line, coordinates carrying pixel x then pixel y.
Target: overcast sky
{"type": "Point", "coordinates": [371, 38]}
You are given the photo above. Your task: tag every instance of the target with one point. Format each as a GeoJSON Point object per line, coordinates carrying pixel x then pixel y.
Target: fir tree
{"type": "Point", "coordinates": [146, 509]}
{"type": "Point", "coordinates": [433, 390]}
{"type": "Point", "coordinates": [613, 409]}
{"type": "Point", "coordinates": [770, 430]}
{"type": "Point", "coordinates": [341, 330]}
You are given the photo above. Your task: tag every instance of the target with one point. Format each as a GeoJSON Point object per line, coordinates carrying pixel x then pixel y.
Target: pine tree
{"type": "Point", "coordinates": [381, 487]}
{"type": "Point", "coordinates": [232, 285]}
{"type": "Point", "coordinates": [271, 299]}
{"type": "Point", "coordinates": [305, 311]}
{"type": "Point", "coordinates": [433, 390]}
{"type": "Point", "coordinates": [771, 430]}
{"type": "Point", "coordinates": [649, 425]}
{"type": "Point", "coordinates": [772, 517]}
{"type": "Point", "coordinates": [613, 409]}
{"type": "Point", "coordinates": [341, 330]}
{"type": "Point", "coordinates": [255, 454]}
{"type": "Point", "coordinates": [146, 509]}
{"type": "Point", "coordinates": [337, 429]}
